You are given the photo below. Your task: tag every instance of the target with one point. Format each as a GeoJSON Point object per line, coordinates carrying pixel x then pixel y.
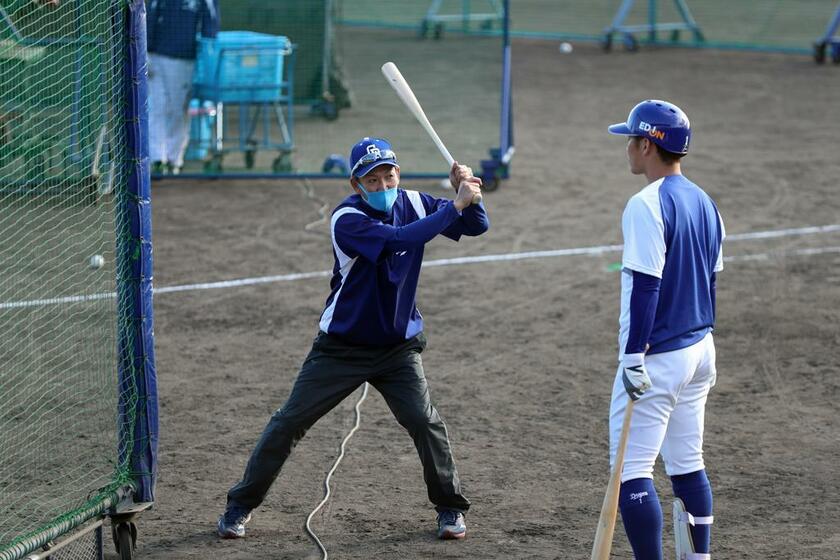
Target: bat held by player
{"type": "Point", "coordinates": [406, 95]}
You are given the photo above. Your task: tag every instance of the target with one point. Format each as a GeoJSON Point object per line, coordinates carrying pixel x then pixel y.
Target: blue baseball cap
{"type": "Point", "coordinates": [368, 153]}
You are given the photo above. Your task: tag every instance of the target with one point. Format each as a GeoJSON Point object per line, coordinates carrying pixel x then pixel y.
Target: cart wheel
{"type": "Point", "coordinates": [438, 31]}
{"type": "Point", "coordinates": [819, 52]}
{"type": "Point", "coordinates": [835, 53]}
{"type": "Point", "coordinates": [423, 30]}
{"type": "Point", "coordinates": [487, 24]}
{"type": "Point", "coordinates": [214, 164]}
{"type": "Point", "coordinates": [125, 539]}
{"type": "Point", "coordinates": [630, 43]}
{"type": "Point", "coordinates": [250, 154]}
{"type": "Point", "coordinates": [675, 36]}
{"type": "Point", "coordinates": [606, 42]}
{"type": "Point", "coordinates": [282, 163]}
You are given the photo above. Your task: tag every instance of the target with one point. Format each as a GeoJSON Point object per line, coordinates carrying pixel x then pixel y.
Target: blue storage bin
{"type": "Point", "coordinates": [241, 67]}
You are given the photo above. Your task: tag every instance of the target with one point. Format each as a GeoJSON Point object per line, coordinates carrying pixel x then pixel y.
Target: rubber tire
{"type": "Point", "coordinates": [835, 53]}
{"type": "Point", "coordinates": [250, 157]}
{"type": "Point", "coordinates": [438, 33]}
{"type": "Point", "coordinates": [124, 541]}
{"type": "Point", "coordinates": [250, 154]}
{"type": "Point", "coordinates": [630, 43]}
{"type": "Point", "coordinates": [607, 43]}
{"type": "Point", "coordinates": [819, 52]}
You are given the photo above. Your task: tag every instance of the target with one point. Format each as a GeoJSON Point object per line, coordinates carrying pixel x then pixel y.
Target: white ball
{"type": "Point", "coordinates": [566, 48]}
{"type": "Point", "coordinates": [97, 261]}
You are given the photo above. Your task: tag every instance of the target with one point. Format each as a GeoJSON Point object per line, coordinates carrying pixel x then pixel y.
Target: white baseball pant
{"type": "Point", "coordinates": [669, 416]}
{"type": "Point", "coordinates": [170, 82]}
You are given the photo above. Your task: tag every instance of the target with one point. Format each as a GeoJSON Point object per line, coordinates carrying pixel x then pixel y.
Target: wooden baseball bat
{"type": "Point", "coordinates": [395, 78]}
{"type": "Point", "coordinates": [609, 510]}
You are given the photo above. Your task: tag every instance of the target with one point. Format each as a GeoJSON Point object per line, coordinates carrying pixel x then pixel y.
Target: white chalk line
{"type": "Point", "coordinates": [499, 257]}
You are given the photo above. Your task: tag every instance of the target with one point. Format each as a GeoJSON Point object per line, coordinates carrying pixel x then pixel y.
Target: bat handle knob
{"type": "Point", "coordinates": [477, 199]}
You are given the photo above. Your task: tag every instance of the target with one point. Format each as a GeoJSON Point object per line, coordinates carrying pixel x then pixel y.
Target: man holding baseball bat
{"type": "Point", "coordinates": [673, 237]}
{"type": "Point", "coordinates": [371, 331]}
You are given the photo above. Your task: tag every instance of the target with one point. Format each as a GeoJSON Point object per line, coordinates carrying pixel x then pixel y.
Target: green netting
{"type": "Point", "coordinates": [769, 24]}
{"type": "Point", "coordinates": [457, 79]}
{"type": "Point", "coordinates": [307, 23]}
{"type": "Point", "coordinates": [62, 174]}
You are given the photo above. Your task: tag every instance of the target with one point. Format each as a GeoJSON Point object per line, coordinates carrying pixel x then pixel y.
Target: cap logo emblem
{"type": "Point", "coordinates": [651, 130]}
{"type": "Point", "coordinates": [374, 149]}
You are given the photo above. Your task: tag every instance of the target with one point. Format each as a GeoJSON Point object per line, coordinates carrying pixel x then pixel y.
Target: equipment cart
{"type": "Point", "coordinates": [829, 42]}
{"type": "Point", "coordinates": [252, 72]}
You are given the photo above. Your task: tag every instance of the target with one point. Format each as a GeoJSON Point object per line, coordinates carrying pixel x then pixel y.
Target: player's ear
{"type": "Point", "coordinates": [354, 182]}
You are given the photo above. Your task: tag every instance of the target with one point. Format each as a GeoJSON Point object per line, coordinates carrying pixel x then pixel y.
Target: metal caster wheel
{"type": "Point", "coordinates": [607, 42]}
{"type": "Point", "coordinates": [438, 33]}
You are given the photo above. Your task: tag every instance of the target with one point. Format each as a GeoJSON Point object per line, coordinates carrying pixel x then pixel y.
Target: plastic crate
{"type": "Point", "coordinates": [241, 67]}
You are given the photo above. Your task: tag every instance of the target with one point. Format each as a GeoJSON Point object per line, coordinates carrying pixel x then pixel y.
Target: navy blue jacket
{"type": "Point", "coordinates": [172, 25]}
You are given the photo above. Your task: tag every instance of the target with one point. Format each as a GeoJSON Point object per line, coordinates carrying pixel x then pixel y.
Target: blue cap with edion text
{"type": "Point", "coordinates": [368, 153]}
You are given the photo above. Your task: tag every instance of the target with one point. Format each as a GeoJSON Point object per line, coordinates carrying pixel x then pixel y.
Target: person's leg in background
{"type": "Point", "coordinates": [157, 113]}
{"type": "Point", "coordinates": [179, 78]}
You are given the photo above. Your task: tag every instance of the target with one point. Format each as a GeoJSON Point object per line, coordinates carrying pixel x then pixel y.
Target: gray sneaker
{"type": "Point", "coordinates": [451, 525]}
{"type": "Point", "coordinates": [231, 524]}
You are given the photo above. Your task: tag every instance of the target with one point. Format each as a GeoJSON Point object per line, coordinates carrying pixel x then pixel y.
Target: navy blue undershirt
{"type": "Point", "coordinates": [643, 301]}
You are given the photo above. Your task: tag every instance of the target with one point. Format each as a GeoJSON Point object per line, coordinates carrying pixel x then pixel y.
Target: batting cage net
{"type": "Point", "coordinates": [288, 87]}
{"type": "Point", "coordinates": [777, 26]}
{"type": "Point", "coordinates": [72, 242]}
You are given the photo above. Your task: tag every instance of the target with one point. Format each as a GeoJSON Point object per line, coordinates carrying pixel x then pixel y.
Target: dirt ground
{"type": "Point", "coordinates": [526, 403]}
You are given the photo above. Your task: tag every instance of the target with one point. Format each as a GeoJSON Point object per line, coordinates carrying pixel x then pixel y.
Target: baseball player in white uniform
{"type": "Point", "coordinates": [673, 236]}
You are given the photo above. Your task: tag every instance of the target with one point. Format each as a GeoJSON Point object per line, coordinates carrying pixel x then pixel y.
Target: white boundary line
{"type": "Point", "coordinates": [500, 257]}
